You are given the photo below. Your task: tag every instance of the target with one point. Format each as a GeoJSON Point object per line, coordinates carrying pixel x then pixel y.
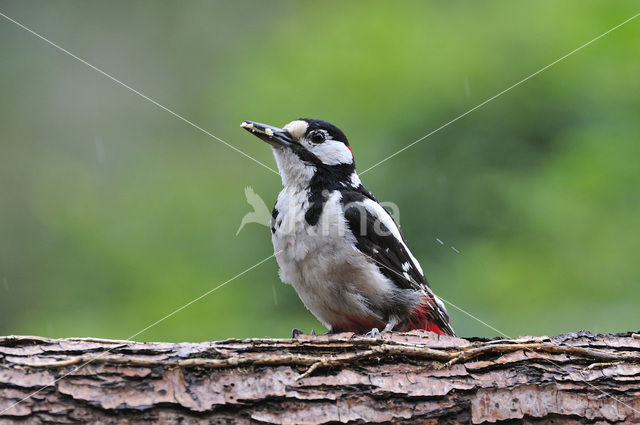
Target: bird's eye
{"type": "Point", "coordinates": [317, 137]}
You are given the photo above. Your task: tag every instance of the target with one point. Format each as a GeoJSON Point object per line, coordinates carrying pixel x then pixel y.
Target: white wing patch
{"type": "Point", "coordinates": [355, 180]}
{"type": "Point", "coordinates": [381, 214]}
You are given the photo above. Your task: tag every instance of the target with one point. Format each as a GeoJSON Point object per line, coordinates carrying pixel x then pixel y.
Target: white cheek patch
{"type": "Point", "coordinates": [296, 128]}
{"type": "Point", "coordinates": [332, 152]}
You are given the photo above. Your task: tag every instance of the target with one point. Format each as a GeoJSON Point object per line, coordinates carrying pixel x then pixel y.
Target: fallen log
{"type": "Point", "coordinates": [415, 377]}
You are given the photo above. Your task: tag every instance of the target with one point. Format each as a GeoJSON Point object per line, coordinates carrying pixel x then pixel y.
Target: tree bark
{"type": "Point", "coordinates": [415, 377]}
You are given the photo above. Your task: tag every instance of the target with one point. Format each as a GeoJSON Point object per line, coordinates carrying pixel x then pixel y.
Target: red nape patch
{"type": "Point", "coordinates": [350, 150]}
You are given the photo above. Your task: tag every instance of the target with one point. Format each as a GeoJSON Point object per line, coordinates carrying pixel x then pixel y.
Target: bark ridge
{"type": "Point", "coordinates": [414, 377]}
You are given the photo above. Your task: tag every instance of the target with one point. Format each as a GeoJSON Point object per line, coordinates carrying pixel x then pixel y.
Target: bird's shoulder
{"type": "Point", "coordinates": [379, 238]}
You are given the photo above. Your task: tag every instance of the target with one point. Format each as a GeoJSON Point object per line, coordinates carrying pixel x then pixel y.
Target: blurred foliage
{"type": "Point", "coordinates": [113, 213]}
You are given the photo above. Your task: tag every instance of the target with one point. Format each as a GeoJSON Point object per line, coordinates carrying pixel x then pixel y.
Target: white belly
{"type": "Point", "coordinates": [331, 276]}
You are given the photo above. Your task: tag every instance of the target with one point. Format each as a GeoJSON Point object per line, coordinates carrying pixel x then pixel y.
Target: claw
{"type": "Point", "coordinates": [313, 332]}
{"type": "Point", "coordinates": [295, 333]}
{"type": "Point", "coordinates": [373, 333]}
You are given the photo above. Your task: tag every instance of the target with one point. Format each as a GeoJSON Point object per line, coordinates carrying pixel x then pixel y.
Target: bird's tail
{"type": "Point", "coordinates": [430, 316]}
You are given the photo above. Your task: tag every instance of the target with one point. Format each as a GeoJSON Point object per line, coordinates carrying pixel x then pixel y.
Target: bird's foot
{"type": "Point", "coordinates": [373, 333]}
{"type": "Point", "coordinates": [295, 333]}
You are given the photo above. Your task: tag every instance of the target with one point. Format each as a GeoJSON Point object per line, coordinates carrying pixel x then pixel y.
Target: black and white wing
{"type": "Point", "coordinates": [379, 237]}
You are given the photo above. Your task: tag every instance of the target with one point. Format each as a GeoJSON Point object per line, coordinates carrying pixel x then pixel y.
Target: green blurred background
{"type": "Point", "coordinates": [113, 213]}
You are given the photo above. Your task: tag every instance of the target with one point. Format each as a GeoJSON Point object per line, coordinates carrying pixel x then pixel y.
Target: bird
{"type": "Point", "coordinates": [339, 248]}
{"type": "Point", "coordinates": [260, 213]}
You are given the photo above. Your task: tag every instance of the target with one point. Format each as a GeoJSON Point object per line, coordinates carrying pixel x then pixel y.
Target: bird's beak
{"type": "Point", "coordinates": [275, 136]}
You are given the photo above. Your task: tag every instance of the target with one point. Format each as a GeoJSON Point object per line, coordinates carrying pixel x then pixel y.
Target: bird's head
{"type": "Point", "coordinates": [307, 147]}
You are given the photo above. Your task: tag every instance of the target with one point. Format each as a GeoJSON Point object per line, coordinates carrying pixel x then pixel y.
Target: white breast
{"type": "Point", "coordinates": [330, 275]}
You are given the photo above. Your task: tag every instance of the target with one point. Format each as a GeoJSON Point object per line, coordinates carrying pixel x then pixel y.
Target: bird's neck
{"type": "Point", "coordinates": [294, 172]}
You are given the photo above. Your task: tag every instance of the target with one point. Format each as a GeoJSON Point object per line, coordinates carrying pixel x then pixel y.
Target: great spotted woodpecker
{"type": "Point", "coordinates": [340, 249]}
